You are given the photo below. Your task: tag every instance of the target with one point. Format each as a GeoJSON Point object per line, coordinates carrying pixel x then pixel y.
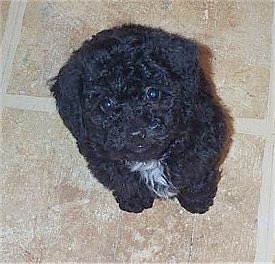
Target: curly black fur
{"type": "Point", "coordinates": [134, 94]}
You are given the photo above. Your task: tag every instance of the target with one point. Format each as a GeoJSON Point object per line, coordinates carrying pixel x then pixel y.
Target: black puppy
{"type": "Point", "coordinates": [144, 117]}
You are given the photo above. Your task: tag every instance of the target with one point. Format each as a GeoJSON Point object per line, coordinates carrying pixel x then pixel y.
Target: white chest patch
{"type": "Point", "coordinates": [152, 173]}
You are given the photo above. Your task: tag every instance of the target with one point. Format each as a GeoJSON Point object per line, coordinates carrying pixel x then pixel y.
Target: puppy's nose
{"type": "Point", "coordinates": [137, 134]}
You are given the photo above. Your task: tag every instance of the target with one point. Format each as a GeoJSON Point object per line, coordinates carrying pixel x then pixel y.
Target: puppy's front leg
{"type": "Point", "coordinates": [198, 196]}
{"type": "Point", "coordinates": [132, 195]}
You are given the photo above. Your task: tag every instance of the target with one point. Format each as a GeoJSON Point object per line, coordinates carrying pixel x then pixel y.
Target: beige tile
{"type": "Point", "coordinates": [52, 207]}
{"type": "Point", "coordinates": [4, 10]}
{"type": "Point", "coordinates": [239, 35]}
{"type": "Point", "coordinates": [244, 87]}
{"type": "Point", "coordinates": [29, 74]}
{"type": "Point", "coordinates": [227, 232]}
{"type": "Point", "coordinates": [88, 230]}
{"type": "Point", "coordinates": [60, 27]}
{"type": "Point", "coordinates": [249, 38]}
{"type": "Point", "coordinates": [160, 234]}
{"type": "Point", "coordinates": [242, 59]}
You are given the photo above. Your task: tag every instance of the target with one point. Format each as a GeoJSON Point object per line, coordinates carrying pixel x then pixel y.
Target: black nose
{"type": "Point", "coordinates": [137, 134]}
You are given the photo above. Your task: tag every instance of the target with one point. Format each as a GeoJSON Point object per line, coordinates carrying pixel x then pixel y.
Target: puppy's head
{"type": "Point", "coordinates": [128, 91]}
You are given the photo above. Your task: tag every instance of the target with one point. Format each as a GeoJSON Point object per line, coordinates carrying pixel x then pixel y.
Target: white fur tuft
{"type": "Point", "coordinates": [152, 173]}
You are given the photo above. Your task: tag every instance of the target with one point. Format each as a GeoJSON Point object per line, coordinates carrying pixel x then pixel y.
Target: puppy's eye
{"type": "Point", "coordinates": [106, 105]}
{"type": "Point", "coordinates": [153, 94]}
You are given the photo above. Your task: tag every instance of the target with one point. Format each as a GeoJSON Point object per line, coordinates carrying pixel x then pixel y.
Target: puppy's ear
{"type": "Point", "coordinates": [185, 62]}
{"type": "Point", "coordinates": [66, 89]}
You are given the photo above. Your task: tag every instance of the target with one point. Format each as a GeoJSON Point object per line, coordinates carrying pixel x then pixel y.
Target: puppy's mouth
{"type": "Point", "coordinates": [142, 151]}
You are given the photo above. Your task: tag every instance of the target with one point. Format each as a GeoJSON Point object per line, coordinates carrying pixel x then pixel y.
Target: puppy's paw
{"type": "Point", "coordinates": [134, 204]}
{"type": "Point", "coordinates": [193, 204]}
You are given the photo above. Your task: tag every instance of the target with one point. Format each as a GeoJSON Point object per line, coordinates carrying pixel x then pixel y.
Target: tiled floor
{"type": "Point", "coordinates": [53, 210]}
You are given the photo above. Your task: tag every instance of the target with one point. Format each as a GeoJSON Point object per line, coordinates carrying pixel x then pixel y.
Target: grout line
{"type": "Point", "coordinates": [192, 239]}
{"type": "Point", "coordinates": [265, 237]}
{"type": "Point", "coordinates": [9, 43]}
{"type": "Point", "coordinates": [24, 102]}
{"type": "Point", "coordinates": [249, 126]}
{"type": "Point", "coordinates": [117, 236]}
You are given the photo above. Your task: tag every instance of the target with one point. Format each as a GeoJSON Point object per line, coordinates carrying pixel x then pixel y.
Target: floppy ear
{"type": "Point", "coordinates": [184, 61]}
{"type": "Point", "coordinates": [66, 89]}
